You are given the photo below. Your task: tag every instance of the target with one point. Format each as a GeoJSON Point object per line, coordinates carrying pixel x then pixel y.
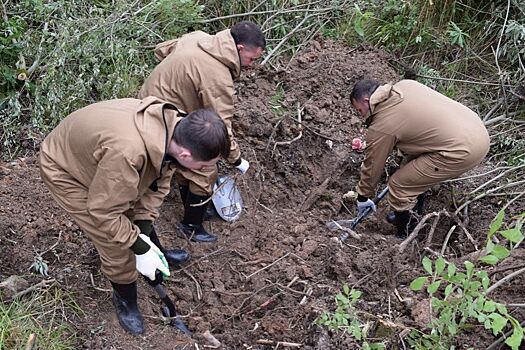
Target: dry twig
{"type": "Point", "coordinates": [42, 284]}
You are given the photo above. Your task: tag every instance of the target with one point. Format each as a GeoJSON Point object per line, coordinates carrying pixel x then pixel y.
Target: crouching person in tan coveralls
{"type": "Point", "coordinates": [440, 138]}
{"type": "Point", "coordinates": [109, 165]}
{"type": "Point", "coordinates": [197, 71]}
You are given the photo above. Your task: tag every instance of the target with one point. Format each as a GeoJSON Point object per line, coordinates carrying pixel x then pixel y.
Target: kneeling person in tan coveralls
{"type": "Point", "coordinates": [440, 138]}
{"type": "Point", "coordinates": [197, 71]}
{"type": "Point", "coordinates": [109, 165]}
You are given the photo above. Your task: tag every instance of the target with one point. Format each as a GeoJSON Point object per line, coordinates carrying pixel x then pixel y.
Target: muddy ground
{"type": "Point", "coordinates": [278, 267]}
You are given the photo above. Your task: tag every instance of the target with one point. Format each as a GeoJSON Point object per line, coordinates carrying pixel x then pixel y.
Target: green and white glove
{"type": "Point", "coordinates": [150, 260]}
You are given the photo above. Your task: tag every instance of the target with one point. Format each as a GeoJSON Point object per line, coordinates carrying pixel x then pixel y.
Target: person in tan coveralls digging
{"type": "Point", "coordinates": [197, 71]}
{"type": "Point", "coordinates": [440, 138]}
{"type": "Point", "coordinates": [109, 165]}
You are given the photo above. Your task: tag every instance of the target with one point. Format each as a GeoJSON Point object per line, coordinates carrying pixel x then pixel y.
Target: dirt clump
{"type": "Point", "coordinates": [277, 268]}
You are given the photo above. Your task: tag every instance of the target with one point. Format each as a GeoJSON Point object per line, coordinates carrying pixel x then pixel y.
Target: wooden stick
{"type": "Point", "coordinates": [42, 284]}
{"type": "Point", "coordinates": [504, 279]}
{"type": "Point", "coordinates": [268, 266]}
{"type": "Point", "coordinates": [446, 239]}
{"type": "Point", "coordinates": [403, 245]}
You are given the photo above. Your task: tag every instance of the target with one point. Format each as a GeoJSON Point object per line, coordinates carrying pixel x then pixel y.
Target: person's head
{"type": "Point", "coordinates": [199, 140]}
{"type": "Point", "coordinates": [249, 40]}
{"type": "Point", "coordinates": [360, 96]}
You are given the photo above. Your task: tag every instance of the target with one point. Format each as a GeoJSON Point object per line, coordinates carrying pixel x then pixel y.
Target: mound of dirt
{"type": "Point", "coordinates": [277, 268]}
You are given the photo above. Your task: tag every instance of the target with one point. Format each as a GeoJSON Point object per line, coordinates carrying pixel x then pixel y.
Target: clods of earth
{"type": "Point", "coordinates": [275, 270]}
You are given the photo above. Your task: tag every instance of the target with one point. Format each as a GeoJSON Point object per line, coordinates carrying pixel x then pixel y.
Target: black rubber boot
{"type": "Point", "coordinates": [125, 301]}
{"type": "Point", "coordinates": [418, 209]}
{"type": "Point", "coordinates": [191, 225]}
{"type": "Point", "coordinates": [174, 256]}
{"type": "Point", "coordinates": [210, 209]}
{"type": "Point", "coordinates": [405, 223]}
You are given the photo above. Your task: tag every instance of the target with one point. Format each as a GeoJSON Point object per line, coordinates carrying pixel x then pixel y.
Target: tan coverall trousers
{"type": "Point", "coordinates": [427, 170]}
{"type": "Point", "coordinates": [199, 182]}
{"type": "Point", "coordinates": [117, 262]}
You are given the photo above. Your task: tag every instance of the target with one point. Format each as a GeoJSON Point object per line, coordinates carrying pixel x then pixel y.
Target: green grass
{"type": "Point", "coordinates": [44, 314]}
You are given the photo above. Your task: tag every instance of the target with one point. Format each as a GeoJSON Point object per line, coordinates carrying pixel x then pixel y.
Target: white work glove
{"type": "Point", "coordinates": [362, 206]}
{"type": "Point", "coordinates": [152, 260]}
{"type": "Point", "coordinates": [243, 167]}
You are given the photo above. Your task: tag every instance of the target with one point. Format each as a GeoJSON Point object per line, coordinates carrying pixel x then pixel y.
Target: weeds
{"type": "Point", "coordinates": [59, 56]}
{"type": "Point", "coordinates": [44, 314]}
{"type": "Point", "coordinates": [458, 298]}
{"type": "Point", "coordinates": [346, 317]}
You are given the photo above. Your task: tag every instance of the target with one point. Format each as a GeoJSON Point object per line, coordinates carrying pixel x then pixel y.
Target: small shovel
{"type": "Point", "coordinates": [168, 310]}
{"type": "Point", "coordinates": [352, 223]}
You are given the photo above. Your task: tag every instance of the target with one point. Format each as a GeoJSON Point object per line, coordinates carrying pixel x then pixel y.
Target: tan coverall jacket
{"type": "Point", "coordinates": [99, 164]}
{"type": "Point", "coordinates": [197, 71]}
{"type": "Point", "coordinates": [442, 138]}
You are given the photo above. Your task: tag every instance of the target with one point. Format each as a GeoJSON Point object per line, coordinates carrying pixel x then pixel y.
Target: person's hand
{"type": "Point", "coordinates": [152, 260]}
{"type": "Point", "coordinates": [243, 167]}
{"type": "Point", "coordinates": [364, 205]}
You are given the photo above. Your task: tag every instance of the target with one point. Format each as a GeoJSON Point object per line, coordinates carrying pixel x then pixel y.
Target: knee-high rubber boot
{"type": "Point", "coordinates": [125, 301]}
{"type": "Point", "coordinates": [405, 223]}
{"type": "Point", "coordinates": [174, 256]}
{"type": "Point", "coordinates": [210, 209]}
{"type": "Point", "coordinates": [191, 225]}
{"type": "Point", "coordinates": [418, 209]}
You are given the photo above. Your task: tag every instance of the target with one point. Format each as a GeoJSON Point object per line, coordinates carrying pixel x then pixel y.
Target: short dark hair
{"type": "Point", "coordinates": [363, 88]}
{"type": "Point", "coordinates": [249, 34]}
{"type": "Point", "coordinates": [204, 134]}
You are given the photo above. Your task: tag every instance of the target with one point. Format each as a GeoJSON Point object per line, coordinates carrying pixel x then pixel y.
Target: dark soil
{"type": "Point", "coordinates": [276, 269]}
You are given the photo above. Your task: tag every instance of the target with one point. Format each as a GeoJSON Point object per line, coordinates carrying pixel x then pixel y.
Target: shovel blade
{"type": "Point", "coordinates": [337, 225]}
{"type": "Point", "coordinates": [177, 323]}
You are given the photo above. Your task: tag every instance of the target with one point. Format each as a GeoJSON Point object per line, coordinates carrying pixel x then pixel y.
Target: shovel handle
{"type": "Point", "coordinates": [368, 210]}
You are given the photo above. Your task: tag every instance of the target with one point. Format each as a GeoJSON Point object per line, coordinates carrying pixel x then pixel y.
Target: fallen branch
{"type": "Point", "coordinates": [484, 194]}
{"type": "Point", "coordinates": [298, 137]}
{"type": "Point", "coordinates": [278, 343]}
{"type": "Point", "coordinates": [403, 245]}
{"type": "Point", "coordinates": [268, 266]}
{"type": "Point", "coordinates": [315, 194]}
{"type": "Point", "coordinates": [95, 287]}
{"type": "Point", "coordinates": [43, 284]}
{"type": "Point", "coordinates": [504, 279]}
{"type": "Point", "coordinates": [31, 342]}
{"type": "Point", "coordinates": [197, 285]}
{"type": "Point", "coordinates": [449, 233]}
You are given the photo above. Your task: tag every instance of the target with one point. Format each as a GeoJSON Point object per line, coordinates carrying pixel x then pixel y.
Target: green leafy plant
{"type": "Point", "coordinates": [40, 266]}
{"type": "Point", "coordinates": [457, 35]}
{"type": "Point", "coordinates": [458, 297]}
{"type": "Point", "coordinates": [346, 317]}
{"type": "Point", "coordinates": [359, 19]}
{"type": "Point", "coordinates": [277, 100]}
{"type": "Point", "coordinates": [497, 252]}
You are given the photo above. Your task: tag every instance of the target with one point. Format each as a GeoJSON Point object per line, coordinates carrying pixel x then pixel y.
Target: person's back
{"type": "Point", "coordinates": [194, 69]}
{"type": "Point", "coordinates": [197, 71]}
{"type": "Point", "coordinates": [424, 121]}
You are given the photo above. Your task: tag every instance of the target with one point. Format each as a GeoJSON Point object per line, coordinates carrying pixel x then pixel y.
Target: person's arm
{"type": "Point", "coordinates": [378, 148]}
{"type": "Point", "coordinates": [111, 194]}
{"type": "Point", "coordinates": [219, 98]}
{"type": "Point", "coordinates": [163, 49]}
{"type": "Point", "coordinates": [147, 207]}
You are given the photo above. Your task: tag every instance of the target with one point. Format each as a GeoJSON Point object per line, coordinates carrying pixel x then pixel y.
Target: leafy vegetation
{"type": "Point", "coordinates": [458, 298]}
{"type": "Point", "coordinates": [57, 56]}
{"type": "Point", "coordinates": [44, 316]}
{"type": "Point", "coordinates": [346, 317]}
